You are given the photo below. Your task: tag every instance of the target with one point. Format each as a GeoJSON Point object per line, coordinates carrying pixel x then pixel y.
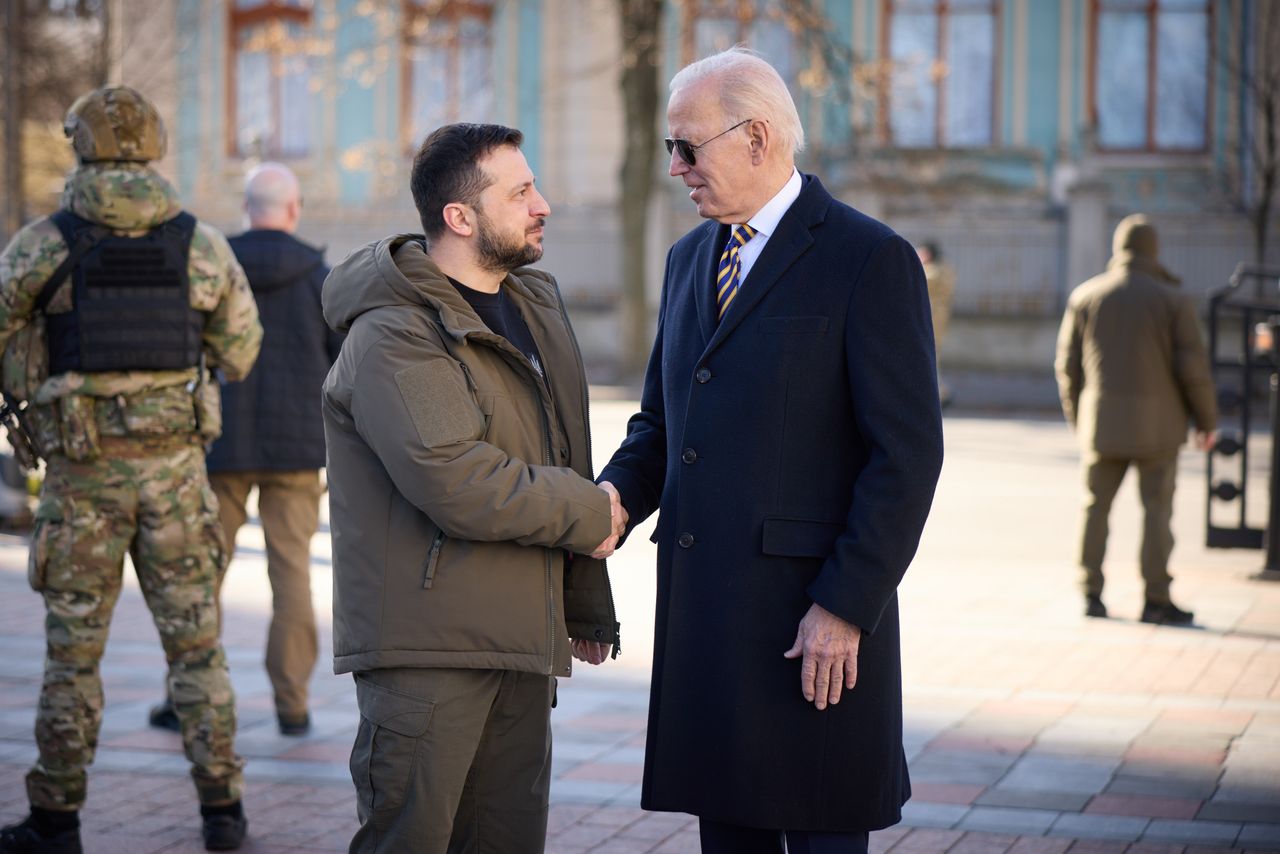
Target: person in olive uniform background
{"type": "Point", "coordinates": [1132, 371]}
{"type": "Point", "coordinates": [112, 313]}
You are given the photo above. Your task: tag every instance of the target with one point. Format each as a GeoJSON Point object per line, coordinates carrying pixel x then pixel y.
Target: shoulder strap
{"type": "Point", "coordinates": [182, 227]}
{"type": "Point", "coordinates": [80, 235]}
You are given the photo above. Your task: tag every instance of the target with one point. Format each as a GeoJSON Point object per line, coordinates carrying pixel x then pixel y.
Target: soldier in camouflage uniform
{"type": "Point", "coordinates": [125, 469]}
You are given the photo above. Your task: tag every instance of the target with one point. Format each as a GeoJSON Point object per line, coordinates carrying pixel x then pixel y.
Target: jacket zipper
{"type": "Point", "coordinates": [433, 557]}
{"type": "Point", "coordinates": [591, 469]}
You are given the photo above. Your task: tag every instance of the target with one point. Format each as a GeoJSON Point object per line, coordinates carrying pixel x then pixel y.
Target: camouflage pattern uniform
{"type": "Point", "coordinates": [126, 473]}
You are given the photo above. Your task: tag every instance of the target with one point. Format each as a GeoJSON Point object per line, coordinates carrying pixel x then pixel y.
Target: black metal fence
{"type": "Point", "coordinates": [1244, 364]}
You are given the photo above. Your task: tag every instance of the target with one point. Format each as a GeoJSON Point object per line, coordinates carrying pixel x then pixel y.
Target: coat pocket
{"type": "Point", "coordinates": [47, 523]}
{"type": "Point", "coordinates": [799, 537]}
{"type": "Point", "coordinates": [386, 748]}
{"type": "Point", "coordinates": [433, 559]}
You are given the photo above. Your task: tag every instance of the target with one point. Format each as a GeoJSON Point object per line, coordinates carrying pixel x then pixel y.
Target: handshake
{"type": "Point", "coordinates": [594, 652]}
{"type": "Point", "coordinates": [619, 515]}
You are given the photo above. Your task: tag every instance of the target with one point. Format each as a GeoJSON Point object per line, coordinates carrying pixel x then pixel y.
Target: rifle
{"type": "Point", "coordinates": [13, 417]}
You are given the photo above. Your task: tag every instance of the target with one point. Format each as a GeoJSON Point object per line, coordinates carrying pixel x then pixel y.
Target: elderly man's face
{"type": "Point", "coordinates": [720, 181]}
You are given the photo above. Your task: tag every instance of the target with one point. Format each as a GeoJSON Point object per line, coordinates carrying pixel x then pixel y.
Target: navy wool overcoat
{"type": "Point", "coordinates": [792, 451]}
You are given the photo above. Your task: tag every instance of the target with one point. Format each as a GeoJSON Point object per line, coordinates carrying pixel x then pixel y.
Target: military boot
{"type": "Point", "coordinates": [224, 827]}
{"type": "Point", "coordinates": [42, 832]}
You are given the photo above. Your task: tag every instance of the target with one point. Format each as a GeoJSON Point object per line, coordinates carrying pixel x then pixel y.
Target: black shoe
{"type": "Point", "coordinates": [24, 838]}
{"type": "Point", "coordinates": [294, 726]}
{"type": "Point", "coordinates": [164, 717]}
{"type": "Point", "coordinates": [1167, 614]}
{"type": "Point", "coordinates": [1093, 607]}
{"type": "Point", "coordinates": [224, 830]}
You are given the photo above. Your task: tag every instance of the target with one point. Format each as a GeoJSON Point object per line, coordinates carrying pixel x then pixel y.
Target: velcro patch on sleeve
{"type": "Point", "coordinates": [442, 409]}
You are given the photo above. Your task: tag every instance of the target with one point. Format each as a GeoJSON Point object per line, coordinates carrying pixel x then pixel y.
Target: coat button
{"type": "Point", "coordinates": [689, 455]}
{"type": "Point", "coordinates": [703, 375]}
{"type": "Point", "coordinates": [564, 453]}
{"type": "Point", "coordinates": [685, 541]}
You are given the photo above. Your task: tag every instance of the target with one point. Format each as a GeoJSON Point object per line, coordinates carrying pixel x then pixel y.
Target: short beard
{"type": "Point", "coordinates": [498, 257]}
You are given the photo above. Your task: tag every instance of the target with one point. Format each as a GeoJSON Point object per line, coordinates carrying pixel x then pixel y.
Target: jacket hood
{"type": "Point", "coordinates": [1135, 244]}
{"type": "Point", "coordinates": [274, 259]}
{"type": "Point", "coordinates": [398, 271]}
{"type": "Point", "coordinates": [121, 196]}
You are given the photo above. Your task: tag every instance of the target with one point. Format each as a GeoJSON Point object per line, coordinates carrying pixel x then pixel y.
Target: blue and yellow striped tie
{"type": "Point", "coordinates": [730, 275]}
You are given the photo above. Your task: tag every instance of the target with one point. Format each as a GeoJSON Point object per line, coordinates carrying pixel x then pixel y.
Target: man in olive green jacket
{"type": "Point", "coordinates": [1132, 369]}
{"type": "Point", "coordinates": [468, 533]}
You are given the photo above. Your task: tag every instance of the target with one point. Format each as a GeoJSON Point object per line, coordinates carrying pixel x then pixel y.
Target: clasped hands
{"type": "Point", "coordinates": [618, 513]}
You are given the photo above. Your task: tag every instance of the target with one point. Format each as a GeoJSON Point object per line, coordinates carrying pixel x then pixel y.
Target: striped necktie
{"type": "Point", "coordinates": [730, 275]}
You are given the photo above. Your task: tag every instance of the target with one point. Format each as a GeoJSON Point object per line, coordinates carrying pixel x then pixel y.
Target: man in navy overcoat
{"type": "Point", "coordinates": [790, 438]}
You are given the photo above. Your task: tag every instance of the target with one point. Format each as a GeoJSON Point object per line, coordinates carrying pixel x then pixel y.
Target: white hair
{"type": "Point", "coordinates": [750, 88]}
{"type": "Point", "coordinates": [268, 189]}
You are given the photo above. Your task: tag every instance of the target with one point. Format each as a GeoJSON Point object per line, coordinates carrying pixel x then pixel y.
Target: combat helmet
{"type": "Point", "coordinates": [115, 123]}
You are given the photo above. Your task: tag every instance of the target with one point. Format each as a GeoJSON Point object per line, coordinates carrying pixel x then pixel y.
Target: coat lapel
{"type": "Point", "coordinates": [790, 240]}
{"type": "Point", "coordinates": [705, 261]}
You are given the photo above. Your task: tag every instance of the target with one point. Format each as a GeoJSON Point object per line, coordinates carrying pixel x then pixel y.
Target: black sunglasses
{"type": "Point", "coordinates": [687, 148]}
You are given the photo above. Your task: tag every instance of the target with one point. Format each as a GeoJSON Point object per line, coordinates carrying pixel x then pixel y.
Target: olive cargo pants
{"type": "Point", "coordinates": [1155, 485]}
{"type": "Point", "coordinates": [452, 761]}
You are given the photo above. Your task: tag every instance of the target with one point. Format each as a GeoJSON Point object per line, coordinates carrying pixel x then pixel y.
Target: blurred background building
{"type": "Point", "coordinates": [1014, 134]}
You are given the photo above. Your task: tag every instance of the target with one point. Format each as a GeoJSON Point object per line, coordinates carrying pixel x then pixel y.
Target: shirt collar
{"type": "Point", "coordinates": [767, 218]}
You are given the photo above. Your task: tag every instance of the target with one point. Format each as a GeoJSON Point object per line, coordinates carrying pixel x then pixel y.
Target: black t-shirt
{"type": "Point", "coordinates": [501, 316]}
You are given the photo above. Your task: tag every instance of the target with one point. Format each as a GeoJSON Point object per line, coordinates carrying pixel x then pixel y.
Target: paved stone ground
{"type": "Point", "coordinates": [1029, 728]}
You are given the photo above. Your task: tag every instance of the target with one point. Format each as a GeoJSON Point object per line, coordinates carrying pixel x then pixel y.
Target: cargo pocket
{"type": "Point", "coordinates": [211, 535]}
{"type": "Point", "coordinates": [48, 522]}
{"type": "Point", "coordinates": [386, 749]}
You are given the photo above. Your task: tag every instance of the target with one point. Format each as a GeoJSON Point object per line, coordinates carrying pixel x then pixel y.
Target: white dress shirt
{"type": "Point", "coordinates": [765, 222]}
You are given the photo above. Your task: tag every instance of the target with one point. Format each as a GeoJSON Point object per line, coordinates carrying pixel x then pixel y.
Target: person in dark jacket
{"type": "Point", "coordinates": [272, 432]}
{"type": "Point", "coordinates": [790, 437]}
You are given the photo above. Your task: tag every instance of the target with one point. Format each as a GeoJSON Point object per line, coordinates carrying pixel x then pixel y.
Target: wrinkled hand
{"type": "Point", "coordinates": [1205, 440]}
{"type": "Point", "coordinates": [619, 515]}
{"type": "Point", "coordinates": [830, 649]}
{"type": "Point", "coordinates": [592, 652]}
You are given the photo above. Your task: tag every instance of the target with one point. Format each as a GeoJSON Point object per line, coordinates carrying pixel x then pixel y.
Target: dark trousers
{"type": "Point", "coordinates": [720, 838]}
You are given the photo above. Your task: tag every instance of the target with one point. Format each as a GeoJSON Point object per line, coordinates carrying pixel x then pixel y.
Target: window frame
{"type": "Point", "coordinates": [1151, 8]}
{"type": "Point", "coordinates": [455, 11]}
{"type": "Point", "coordinates": [943, 10]}
{"type": "Point", "coordinates": [744, 14]}
{"type": "Point", "coordinates": [241, 19]}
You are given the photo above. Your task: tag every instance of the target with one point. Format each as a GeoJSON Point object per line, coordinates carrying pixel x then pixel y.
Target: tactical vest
{"type": "Point", "coordinates": [131, 301]}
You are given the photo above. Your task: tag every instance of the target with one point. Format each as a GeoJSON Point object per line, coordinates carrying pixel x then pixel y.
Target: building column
{"type": "Point", "coordinates": [1087, 225]}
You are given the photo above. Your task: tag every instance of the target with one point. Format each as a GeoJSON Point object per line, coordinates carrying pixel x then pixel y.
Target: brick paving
{"type": "Point", "coordinates": [1029, 729]}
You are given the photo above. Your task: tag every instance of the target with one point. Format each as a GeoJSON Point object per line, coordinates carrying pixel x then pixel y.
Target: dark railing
{"type": "Point", "coordinates": [1250, 298]}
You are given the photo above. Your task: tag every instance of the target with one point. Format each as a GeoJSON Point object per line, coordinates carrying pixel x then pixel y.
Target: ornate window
{"type": "Point", "coordinates": [447, 69]}
{"type": "Point", "coordinates": [270, 97]}
{"type": "Point", "coordinates": [943, 56]}
{"type": "Point", "coordinates": [710, 26]}
{"type": "Point", "coordinates": [1150, 74]}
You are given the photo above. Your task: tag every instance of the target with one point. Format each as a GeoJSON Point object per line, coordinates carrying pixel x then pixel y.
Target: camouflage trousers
{"type": "Point", "coordinates": [151, 498]}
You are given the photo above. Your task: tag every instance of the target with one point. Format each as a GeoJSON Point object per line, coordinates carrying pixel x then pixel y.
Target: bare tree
{"type": "Point", "coordinates": [53, 52]}
{"type": "Point", "coordinates": [1255, 71]}
{"type": "Point", "coordinates": [641, 29]}
{"type": "Point", "coordinates": [11, 69]}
